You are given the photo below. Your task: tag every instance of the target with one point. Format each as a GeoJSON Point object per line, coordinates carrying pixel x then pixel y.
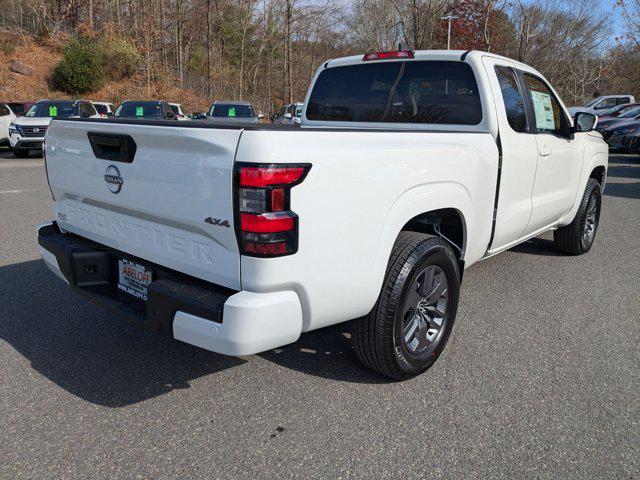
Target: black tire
{"type": "Point", "coordinates": [20, 152]}
{"type": "Point", "coordinates": [576, 238]}
{"type": "Point", "coordinates": [378, 338]}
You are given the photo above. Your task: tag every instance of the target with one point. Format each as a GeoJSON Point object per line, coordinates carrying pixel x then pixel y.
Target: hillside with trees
{"type": "Point", "coordinates": [266, 51]}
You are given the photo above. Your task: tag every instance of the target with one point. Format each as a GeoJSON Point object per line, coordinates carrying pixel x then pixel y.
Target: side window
{"type": "Point", "coordinates": [547, 112]}
{"type": "Point", "coordinates": [513, 99]}
{"type": "Point", "coordinates": [623, 100]}
{"type": "Point", "coordinates": [3, 110]}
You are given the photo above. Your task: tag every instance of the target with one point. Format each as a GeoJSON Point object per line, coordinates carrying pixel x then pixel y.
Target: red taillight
{"type": "Point", "coordinates": [267, 226]}
{"type": "Point", "coordinates": [267, 176]}
{"type": "Point", "coordinates": [388, 55]}
{"type": "Point", "coordinates": [266, 223]}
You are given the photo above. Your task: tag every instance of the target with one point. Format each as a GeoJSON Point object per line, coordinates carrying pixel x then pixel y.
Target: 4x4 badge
{"type": "Point", "coordinates": [217, 221]}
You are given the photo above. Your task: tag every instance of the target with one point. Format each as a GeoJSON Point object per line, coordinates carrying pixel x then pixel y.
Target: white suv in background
{"type": "Point", "coordinates": [6, 118]}
{"type": "Point", "coordinates": [176, 108]}
{"type": "Point", "coordinates": [27, 133]}
{"type": "Point", "coordinates": [600, 104]}
{"type": "Point", "coordinates": [105, 109]}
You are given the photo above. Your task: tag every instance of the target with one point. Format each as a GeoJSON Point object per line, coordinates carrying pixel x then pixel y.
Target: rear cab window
{"type": "Point", "coordinates": [440, 92]}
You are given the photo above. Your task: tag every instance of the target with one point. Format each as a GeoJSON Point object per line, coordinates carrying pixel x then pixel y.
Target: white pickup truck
{"type": "Point", "coordinates": [409, 167]}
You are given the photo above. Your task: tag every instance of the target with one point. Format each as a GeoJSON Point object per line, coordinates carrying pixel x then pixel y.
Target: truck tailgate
{"type": "Point", "coordinates": [171, 205]}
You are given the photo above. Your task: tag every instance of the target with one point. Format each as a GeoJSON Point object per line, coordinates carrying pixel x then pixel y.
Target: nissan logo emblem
{"type": "Point", "coordinates": [36, 130]}
{"type": "Point", "coordinates": [113, 178]}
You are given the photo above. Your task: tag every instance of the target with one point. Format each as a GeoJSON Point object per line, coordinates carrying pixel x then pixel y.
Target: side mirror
{"type": "Point", "coordinates": [287, 116]}
{"type": "Point", "coordinates": [110, 114]}
{"type": "Point", "coordinates": [260, 116]}
{"type": "Point", "coordinates": [584, 122]}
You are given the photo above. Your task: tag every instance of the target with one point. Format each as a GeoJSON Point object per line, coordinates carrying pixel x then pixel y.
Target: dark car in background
{"type": "Point", "coordinates": [148, 109]}
{"type": "Point", "coordinates": [615, 129]}
{"type": "Point", "coordinates": [632, 143]}
{"type": "Point", "coordinates": [233, 112]}
{"type": "Point", "coordinates": [629, 115]}
{"type": "Point", "coordinates": [617, 134]}
{"type": "Point", "coordinates": [616, 111]}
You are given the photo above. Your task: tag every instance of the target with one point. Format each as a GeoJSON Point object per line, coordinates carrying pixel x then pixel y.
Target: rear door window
{"type": "Point", "coordinates": [512, 98]}
{"type": "Point", "coordinates": [4, 110]}
{"type": "Point", "coordinates": [426, 92]}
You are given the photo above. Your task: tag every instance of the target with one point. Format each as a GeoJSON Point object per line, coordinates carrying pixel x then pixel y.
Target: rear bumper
{"type": "Point", "coordinates": [196, 312]}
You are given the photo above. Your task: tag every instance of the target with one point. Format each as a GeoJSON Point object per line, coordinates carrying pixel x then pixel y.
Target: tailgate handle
{"type": "Point", "coordinates": [113, 147]}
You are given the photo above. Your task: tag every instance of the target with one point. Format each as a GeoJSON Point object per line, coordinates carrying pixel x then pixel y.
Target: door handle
{"type": "Point", "coordinates": [544, 151]}
{"type": "Point", "coordinates": [112, 147]}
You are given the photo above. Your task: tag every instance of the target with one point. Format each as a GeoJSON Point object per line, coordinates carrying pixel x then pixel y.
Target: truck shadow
{"type": "Point", "coordinates": [92, 355]}
{"type": "Point", "coordinates": [106, 361]}
{"type": "Point", "coordinates": [325, 353]}
{"type": "Point", "coordinates": [538, 246]}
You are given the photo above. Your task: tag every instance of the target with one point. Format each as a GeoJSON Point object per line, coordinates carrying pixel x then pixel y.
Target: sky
{"type": "Point", "coordinates": [616, 16]}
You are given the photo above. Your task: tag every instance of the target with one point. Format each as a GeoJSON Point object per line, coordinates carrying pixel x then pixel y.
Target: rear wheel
{"type": "Point", "coordinates": [577, 237]}
{"type": "Point", "coordinates": [20, 152]}
{"type": "Point", "coordinates": [411, 322]}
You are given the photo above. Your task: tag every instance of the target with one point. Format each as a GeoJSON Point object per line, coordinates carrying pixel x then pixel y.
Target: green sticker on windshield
{"type": "Point", "coordinates": [139, 111]}
{"type": "Point", "coordinates": [53, 111]}
{"type": "Point", "coordinates": [232, 111]}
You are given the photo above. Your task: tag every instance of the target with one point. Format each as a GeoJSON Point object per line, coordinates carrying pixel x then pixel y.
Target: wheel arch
{"type": "Point", "coordinates": [446, 206]}
{"type": "Point", "coordinates": [447, 223]}
{"type": "Point", "coordinates": [599, 173]}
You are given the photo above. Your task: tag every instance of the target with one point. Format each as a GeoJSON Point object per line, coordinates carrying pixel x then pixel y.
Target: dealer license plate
{"type": "Point", "coordinates": [134, 278]}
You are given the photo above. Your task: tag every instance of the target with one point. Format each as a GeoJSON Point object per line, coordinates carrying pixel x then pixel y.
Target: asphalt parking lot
{"type": "Point", "coordinates": [539, 380]}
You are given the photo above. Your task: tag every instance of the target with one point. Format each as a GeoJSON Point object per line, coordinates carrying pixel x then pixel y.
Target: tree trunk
{"type": "Point", "coordinates": [209, 48]}
{"type": "Point", "coordinates": [288, 96]}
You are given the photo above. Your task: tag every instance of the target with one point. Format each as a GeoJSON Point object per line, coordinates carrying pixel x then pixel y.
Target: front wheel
{"type": "Point", "coordinates": [411, 322]}
{"type": "Point", "coordinates": [577, 237]}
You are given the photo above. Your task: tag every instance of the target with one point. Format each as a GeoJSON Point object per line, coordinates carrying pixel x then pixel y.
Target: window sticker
{"type": "Point", "coordinates": [543, 110]}
{"type": "Point", "coordinates": [53, 111]}
{"type": "Point", "coordinates": [232, 111]}
{"type": "Point", "coordinates": [139, 111]}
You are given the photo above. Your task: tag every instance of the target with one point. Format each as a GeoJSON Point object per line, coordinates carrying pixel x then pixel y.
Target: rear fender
{"type": "Point", "coordinates": [415, 202]}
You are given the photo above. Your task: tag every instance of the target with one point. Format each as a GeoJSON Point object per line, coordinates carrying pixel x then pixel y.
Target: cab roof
{"type": "Point", "coordinates": [451, 55]}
